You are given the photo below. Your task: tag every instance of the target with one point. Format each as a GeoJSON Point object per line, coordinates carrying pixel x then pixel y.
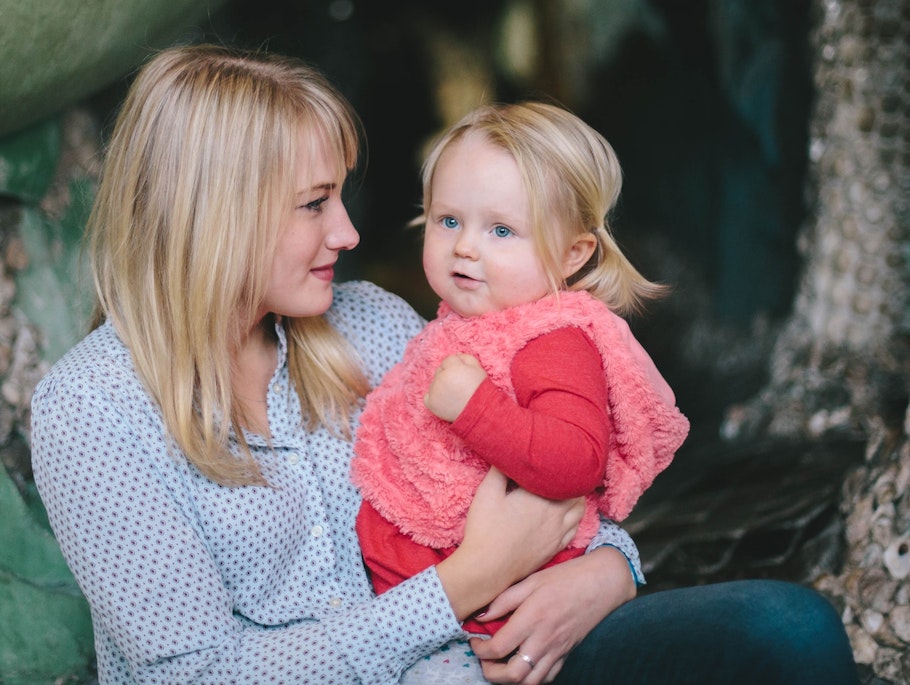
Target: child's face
{"type": "Point", "coordinates": [479, 254]}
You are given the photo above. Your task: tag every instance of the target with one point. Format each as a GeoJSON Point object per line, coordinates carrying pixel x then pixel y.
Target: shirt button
{"type": "Point", "coordinates": [293, 458]}
{"type": "Point", "coordinates": [335, 602]}
{"type": "Point", "coordinates": [276, 388]}
{"type": "Point", "coordinates": [316, 531]}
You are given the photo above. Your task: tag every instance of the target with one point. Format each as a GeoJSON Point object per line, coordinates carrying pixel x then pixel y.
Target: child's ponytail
{"type": "Point", "coordinates": [610, 277]}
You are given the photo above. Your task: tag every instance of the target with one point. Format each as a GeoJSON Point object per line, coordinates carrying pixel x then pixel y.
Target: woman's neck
{"type": "Point", "coordinates": [254, 365]}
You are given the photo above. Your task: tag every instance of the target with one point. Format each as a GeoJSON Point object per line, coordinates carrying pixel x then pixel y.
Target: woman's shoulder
{"type": "Point", "coordinates": [365, 305]}
{"type": "Point", "coordinates": [378, 323]}
{"type": "Point", "coordinates": [98, 363]}
{"type": "Point", "coordinates": [370, 299]}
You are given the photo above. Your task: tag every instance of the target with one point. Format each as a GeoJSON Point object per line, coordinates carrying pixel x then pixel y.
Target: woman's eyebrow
{"type": "Point", "coordinates": [328, 186]}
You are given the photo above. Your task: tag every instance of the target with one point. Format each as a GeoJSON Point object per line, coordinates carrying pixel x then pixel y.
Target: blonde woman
{"type": "Point", "coordinates": [193, 450]}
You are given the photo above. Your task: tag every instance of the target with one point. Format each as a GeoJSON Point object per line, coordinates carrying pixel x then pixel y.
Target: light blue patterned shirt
{"type": "Point", "coordinates": [189, 581]}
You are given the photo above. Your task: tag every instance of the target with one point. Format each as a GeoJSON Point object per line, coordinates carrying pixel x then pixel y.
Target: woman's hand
{"type": "Point", "coordinates": [508, 534]}
{"type": "Point", "coordinates": [554, 610]}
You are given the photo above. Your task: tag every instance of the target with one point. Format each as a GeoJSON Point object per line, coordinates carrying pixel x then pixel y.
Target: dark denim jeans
{"type": "Point", "coordinates": [736, 633]}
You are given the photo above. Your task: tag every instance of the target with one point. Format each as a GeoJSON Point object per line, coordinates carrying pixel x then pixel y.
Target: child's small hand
{"type": "Point", "coordinates": [455, 381]}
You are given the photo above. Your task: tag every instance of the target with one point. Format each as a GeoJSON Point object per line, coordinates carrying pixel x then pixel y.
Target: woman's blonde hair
{"type": "Point", "coordinates": [195, 186]}
{"type": "Point", "coordinates": [569, 172]}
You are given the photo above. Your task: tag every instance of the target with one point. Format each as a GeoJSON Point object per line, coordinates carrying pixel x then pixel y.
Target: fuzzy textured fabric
{"type": "Point", "coordinates": [419, 475]}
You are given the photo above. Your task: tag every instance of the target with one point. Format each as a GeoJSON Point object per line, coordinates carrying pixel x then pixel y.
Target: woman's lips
{"type": "Point", "coordinates": [325, 273]}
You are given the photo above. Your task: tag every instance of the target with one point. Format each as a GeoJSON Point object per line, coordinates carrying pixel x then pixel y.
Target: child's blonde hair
{"type": "Point", "coordinates": [569, 171]}
{"type": "Point", "coordinates": [197, 182]}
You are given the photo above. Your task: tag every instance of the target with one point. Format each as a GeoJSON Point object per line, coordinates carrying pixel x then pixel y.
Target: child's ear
{"type": "Point", "coordinates": [578, 254]}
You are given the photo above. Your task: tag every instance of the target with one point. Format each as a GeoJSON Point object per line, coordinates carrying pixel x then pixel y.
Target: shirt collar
{"type": "Point", "coordinates": [282, 343]}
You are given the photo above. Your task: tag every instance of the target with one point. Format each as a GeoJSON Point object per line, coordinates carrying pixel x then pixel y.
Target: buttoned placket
{"type": "Point", "coordinates": [290, 444]}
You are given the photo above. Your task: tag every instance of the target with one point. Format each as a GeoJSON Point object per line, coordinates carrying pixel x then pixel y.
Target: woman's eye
{"type": "Point", "coordinates": [449, 222]}
{"type": "Point", "coordinates": [316, 205]}
{"type": "Point", "coordinates": [502, 232]}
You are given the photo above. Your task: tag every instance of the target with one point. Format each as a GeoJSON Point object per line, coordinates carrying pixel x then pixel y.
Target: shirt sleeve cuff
{"type": "Point", "coordinates": [611, 534]}
{"type": "Point", "coordinates": [403, 630]}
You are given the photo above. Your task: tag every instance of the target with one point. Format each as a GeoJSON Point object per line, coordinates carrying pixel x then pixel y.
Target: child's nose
{"type": "Point", "coordinates": [465, 246]}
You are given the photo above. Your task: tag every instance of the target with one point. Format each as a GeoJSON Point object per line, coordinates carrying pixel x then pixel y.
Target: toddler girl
{"type": "Point", "coordinates": [528, 367]}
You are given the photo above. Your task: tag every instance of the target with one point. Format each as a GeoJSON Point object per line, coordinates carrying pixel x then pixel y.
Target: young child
{"type": "Point", "coordinates": [528, 366]}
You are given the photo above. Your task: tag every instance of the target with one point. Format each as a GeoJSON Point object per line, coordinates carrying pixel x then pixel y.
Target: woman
{"type": "Point", "coordinates": [193, 450]}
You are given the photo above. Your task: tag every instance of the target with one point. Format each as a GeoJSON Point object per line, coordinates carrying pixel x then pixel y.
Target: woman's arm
{"type": "Point", "coordinates": [500, 524]}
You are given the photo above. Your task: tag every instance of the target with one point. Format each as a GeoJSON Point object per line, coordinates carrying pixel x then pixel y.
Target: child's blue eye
{"type": "Point", "coordinates": [450, 222]}
{"type": "Point", "coordinates": [502, 232]}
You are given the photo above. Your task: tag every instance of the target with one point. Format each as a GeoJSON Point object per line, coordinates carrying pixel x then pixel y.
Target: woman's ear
{"type": "Point", "coordinates": [578, 254]}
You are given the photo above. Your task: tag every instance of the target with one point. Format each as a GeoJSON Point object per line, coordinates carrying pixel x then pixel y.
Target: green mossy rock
{"type": "Point", "coordinates": [45, 626]}
{"type": "Point", "coordinates": [28, 160]}
{"type": "Point", "coordinates": [55, 290]}
{"type": "Point", "coordinates": [54, 53]}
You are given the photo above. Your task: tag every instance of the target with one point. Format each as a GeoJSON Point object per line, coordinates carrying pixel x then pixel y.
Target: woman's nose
{"type": "Point", "coordinates": [343, 235]}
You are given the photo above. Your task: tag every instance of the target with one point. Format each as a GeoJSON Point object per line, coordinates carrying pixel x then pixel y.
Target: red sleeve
{"type": "Point", "coordinates": [553, 440]}
{"type": "Point", "coordinates": [389, 555]}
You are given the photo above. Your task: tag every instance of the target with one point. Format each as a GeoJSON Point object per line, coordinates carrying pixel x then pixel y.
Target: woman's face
{"type": "Point", "coordinates": [316, 231]}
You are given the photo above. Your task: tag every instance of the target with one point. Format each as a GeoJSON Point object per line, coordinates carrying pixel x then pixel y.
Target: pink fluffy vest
{"type": "Point", "coordinates": [419, 475]}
